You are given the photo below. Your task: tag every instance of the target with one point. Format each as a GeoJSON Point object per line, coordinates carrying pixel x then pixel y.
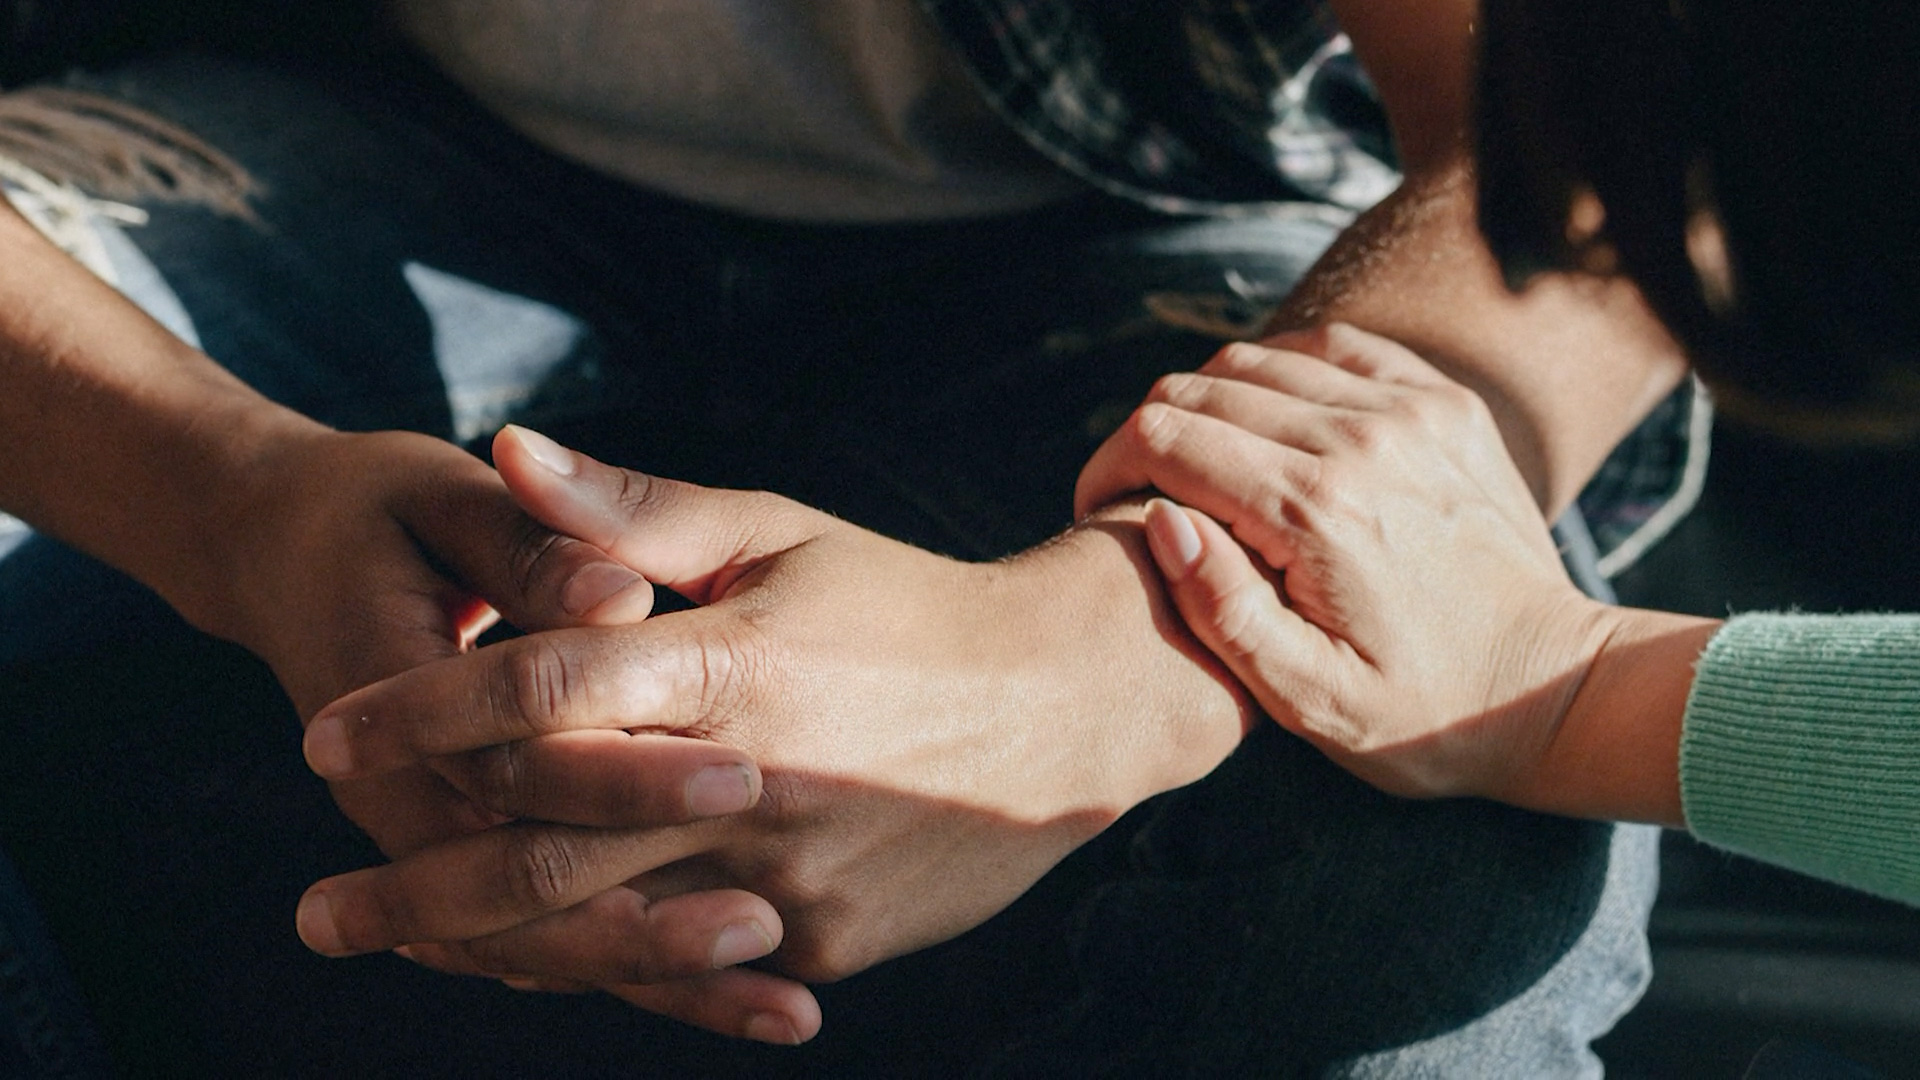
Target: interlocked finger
{"type": "Point", "coordinates": [543, 684]}
{"type": "Point", "coordinates": [611, 779]}
{"type": "Point", "coordinates": [740, 1002]}
{"type": "Point", "coordinates": [481, 884]}
{"type": "Point", "coordinates": [622, 936]}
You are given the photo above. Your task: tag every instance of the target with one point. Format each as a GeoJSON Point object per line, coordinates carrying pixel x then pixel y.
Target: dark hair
{"type": "Point", "coordinates": [1777, 141]}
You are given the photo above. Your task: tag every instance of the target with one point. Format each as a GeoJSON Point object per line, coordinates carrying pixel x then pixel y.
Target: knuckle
{"type": "Point", "coordinates": [1418, 411]}
{"type": "Point", "coordinates": [1364, 431]}
{"type": "Point", "coordinates": [541, 868]}
{"type": "Point", "coordinates": [1155, 428]}
{"type": "Point", "coordinates": [541, 685]}
{"type": "Point", "coordinates": [531, 550]}
{"type": "Point", "coordinates": [1308, 340]}
{"type": "Point", "coordinates": [724, 660]}
{"type": "Point", "coordinates": [1238, 620]}
{"type": "Point", "coordinates": [1237, 358]}
{"type": "Point", "coordinates": [1177, 388]}
{"type": "Point", "coordinates": [1343, 338]}
{"type": "Point", "coordinates": [637, 493]}
{"type": "Point", "coordinates": [1464, 402]}
{"type": "Point", "coordinates": [795, 884]}
{"type": "Point", "coordinates": [1308, 486]}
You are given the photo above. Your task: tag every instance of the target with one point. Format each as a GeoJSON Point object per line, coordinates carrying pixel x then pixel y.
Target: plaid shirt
{"type": "Point", "coordinates": [1195, 106]}
{"type": "Point", "coordinates": [1228, 106]}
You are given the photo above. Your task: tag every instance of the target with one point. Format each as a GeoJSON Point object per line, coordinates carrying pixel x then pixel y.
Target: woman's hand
{"type": "Point", "coordinates": [1363, 554]}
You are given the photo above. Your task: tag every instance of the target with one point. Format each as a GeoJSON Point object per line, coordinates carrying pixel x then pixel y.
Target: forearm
{"type": "Point", "coordinates": [1570, 366]}
{"type": "Point", "coordinates": [1567, 367]}
{"type": "Point", "coordinates": [123, 441]}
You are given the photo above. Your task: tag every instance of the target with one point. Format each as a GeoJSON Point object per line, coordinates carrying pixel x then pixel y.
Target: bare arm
{"type": "Point", "coordinates": [1569, 366]}
{"type": "Point", "coordinates": [339, 558]}
{"type": "Point", "coordinates": [123, 440]}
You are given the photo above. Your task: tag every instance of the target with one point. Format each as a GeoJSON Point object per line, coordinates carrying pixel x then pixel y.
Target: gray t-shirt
{"type": "Point", "coordinates": [819, 110]}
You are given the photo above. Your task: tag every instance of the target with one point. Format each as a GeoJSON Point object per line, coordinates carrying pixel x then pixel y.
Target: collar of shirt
{"type": "Point", "coordinates": [1188, 106]}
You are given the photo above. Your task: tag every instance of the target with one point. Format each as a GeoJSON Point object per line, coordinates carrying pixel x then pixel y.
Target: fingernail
{"type": "Point", "coordinates": [1179, 541]}
{"type": "Point", "coordinates": [719, 790]}
{"type": "Point", "coordinates": [595, 585]}
{"type": "Point", "coordinates": [405, 952]}
{"type": "Point", "coordinates": [772, 1028]}
{"type": "Point", "coordinates": [556, 458]}
{"type": "Point", "coordinates": [739, 943]}
{"type": "Point", "coordinates": [314, 922]}
{"type": "Point", "coordinates": [328, 753]}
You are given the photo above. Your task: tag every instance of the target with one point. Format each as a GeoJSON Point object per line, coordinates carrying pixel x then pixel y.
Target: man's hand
{"type": "Point", "coordinates": [367, 555]}
{"type": "Point", "coordinates": [934, 735]}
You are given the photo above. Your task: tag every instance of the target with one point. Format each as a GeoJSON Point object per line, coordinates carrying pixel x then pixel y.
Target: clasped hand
{"type": "Point", "coordinates": [933, 736]}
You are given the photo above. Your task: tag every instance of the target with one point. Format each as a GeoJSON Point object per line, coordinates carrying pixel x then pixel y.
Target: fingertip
{"type": "Point", "coordinates": [775, 1028]}
{"type": "Point", "coordinates": [741, 942]}
{"type": "Point", "coordinates": [606, 593]}
{"type": "Point", "coordinates": [1173, 540]}
{"type": "Point", "coordinates": [565, 490]}
{"type": "Point", "coordinates": [314, 922]}
{"type": "Point", "coordinates": [722, 790]}
{"type": "Point", "coordinates": [804, 1012]}
{"type": "Point", "coordinates": [328, 751]}
{"type": "Point", "coordinates": [538, 449]}
{"type": "Point", "coordinates": [738, 1002]}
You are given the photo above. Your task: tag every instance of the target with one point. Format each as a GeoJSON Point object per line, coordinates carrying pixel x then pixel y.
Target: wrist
{"type": "Point", "coordinates": [1615, 752]}
{"type": "Point", "coordinates": [223, 485]}
{"type": "Point", "coordinates": [1145, 707]}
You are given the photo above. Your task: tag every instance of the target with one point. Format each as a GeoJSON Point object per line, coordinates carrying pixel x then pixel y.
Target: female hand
{"type": "Point", "coordinates": [1362, 553]}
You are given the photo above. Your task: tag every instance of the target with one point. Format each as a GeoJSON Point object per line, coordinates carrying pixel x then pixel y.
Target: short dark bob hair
{"type": "Point", "coordinates": [1753, 165]}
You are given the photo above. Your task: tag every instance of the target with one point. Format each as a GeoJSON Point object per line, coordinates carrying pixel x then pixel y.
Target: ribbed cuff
{"type": "Point", "coordinates": [1802, 747]}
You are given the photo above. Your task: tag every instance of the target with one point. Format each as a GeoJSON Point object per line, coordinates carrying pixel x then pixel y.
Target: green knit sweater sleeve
{"type": "Point", "coordinates": [1801, 747]}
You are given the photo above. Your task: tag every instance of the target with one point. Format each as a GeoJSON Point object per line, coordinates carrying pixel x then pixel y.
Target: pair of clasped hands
{"type": "Point", "coordinates": [847, 748]}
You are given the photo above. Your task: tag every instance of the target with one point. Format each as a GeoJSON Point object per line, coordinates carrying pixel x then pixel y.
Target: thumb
{"type": "Point", "coordinates": [694, 540]}
{"type": "Point", "coordinates": [1232, 607]}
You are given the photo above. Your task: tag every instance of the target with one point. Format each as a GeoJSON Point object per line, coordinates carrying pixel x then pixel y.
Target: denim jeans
{"type": "Point", "coordinates": [415, 265]}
